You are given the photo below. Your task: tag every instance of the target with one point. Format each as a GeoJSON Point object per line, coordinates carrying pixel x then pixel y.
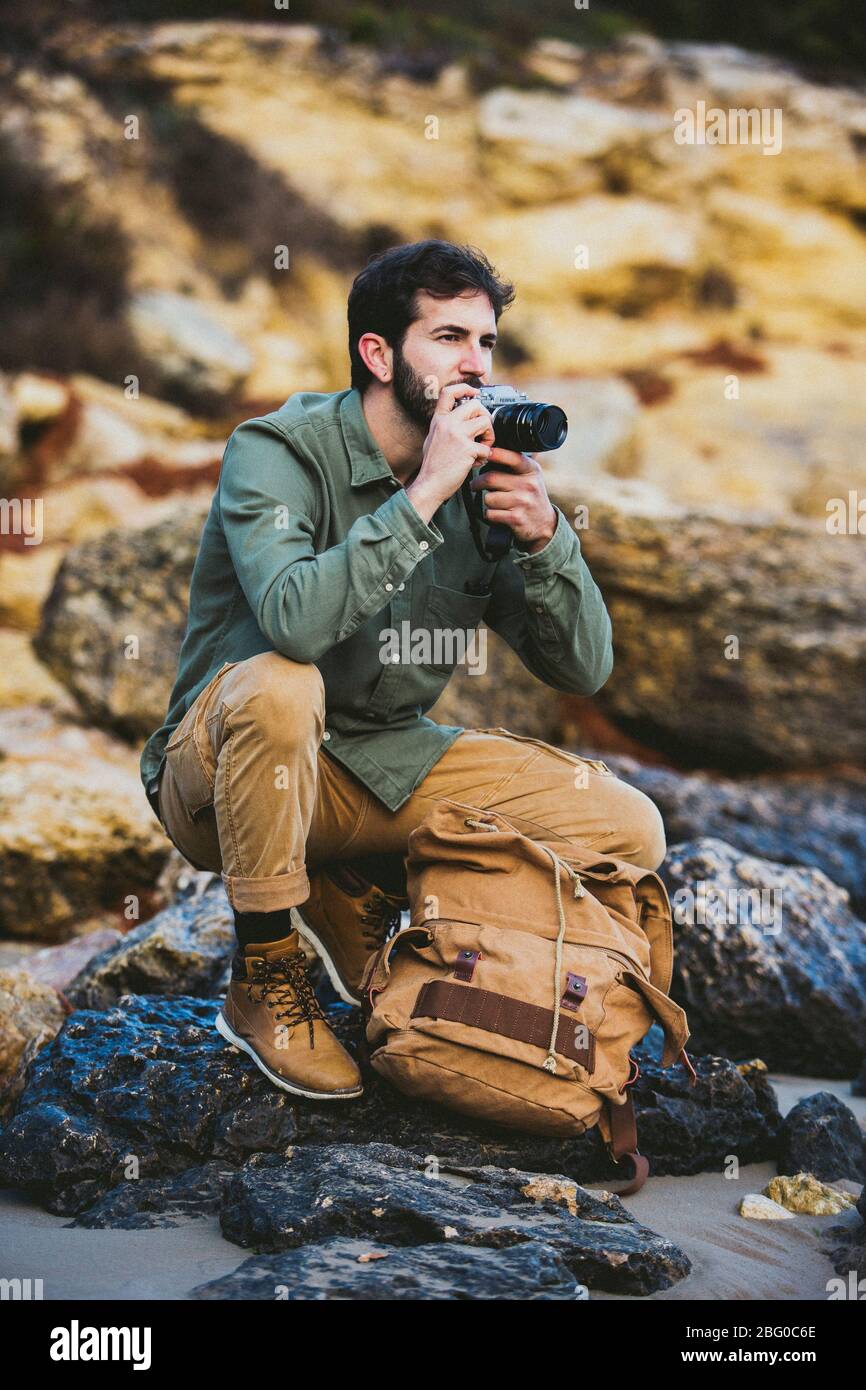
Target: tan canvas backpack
{"type": "Point", "coordinates": [526, 974]}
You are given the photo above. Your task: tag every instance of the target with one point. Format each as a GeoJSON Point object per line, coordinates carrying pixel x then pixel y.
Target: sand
{"type": "Point", "coordinates": [732, 1258]}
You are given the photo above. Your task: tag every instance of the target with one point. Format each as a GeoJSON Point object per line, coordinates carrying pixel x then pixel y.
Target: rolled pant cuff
{"type": "Point", "coordinates": [267, 894]}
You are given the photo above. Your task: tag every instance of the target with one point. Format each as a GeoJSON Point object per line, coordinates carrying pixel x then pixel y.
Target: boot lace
{"type": "Point", "coordinates": [380, 918]}
{"type": "Point", "coordinates": [283, 981]}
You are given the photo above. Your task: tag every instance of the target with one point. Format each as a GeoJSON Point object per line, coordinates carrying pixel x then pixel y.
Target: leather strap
{"type": "Point", "coordinates": [499, 1013]}
{"type": "Point", "coordinates": [623, 1144]}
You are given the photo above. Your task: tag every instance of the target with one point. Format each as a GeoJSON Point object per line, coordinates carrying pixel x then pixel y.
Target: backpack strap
{"type": "Point", "coordinates": [623, 1144]}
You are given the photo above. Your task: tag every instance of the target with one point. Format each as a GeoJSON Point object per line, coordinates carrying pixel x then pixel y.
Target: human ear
{"type": "Point", "coordinates": [377, 356]}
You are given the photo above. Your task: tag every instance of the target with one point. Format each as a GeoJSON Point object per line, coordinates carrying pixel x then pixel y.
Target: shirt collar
{"type": "Point", "coordinates": [366, 459]}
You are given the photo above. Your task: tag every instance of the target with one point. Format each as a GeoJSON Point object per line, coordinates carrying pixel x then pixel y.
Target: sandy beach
{"type": "Point", "coordinates": [732, 1258]}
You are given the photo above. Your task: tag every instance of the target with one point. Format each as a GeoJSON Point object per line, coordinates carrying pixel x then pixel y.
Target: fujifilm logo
{"type": "Point", "coordinates": [76, 1343]}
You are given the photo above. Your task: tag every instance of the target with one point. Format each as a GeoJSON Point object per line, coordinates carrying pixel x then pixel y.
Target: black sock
{"type": "Point", "coordinates": [262, 926]}
{"type": "Point", "coordinates": [387, 871]}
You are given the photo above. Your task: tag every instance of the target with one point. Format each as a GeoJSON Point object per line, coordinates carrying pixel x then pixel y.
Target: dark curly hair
{"type": "Point", "coordinates": [382, 298]}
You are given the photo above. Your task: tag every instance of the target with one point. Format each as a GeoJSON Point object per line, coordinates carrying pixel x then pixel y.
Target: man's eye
{"type": "Point", "coordinates": [448, 338]}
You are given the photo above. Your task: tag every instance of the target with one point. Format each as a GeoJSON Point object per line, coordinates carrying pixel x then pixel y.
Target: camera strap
{"type": "Point", "coordinates": [499, 536]}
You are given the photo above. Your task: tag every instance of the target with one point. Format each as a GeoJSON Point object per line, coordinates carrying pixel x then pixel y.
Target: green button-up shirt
{"type": "Point", "coordinates": [312, 548]}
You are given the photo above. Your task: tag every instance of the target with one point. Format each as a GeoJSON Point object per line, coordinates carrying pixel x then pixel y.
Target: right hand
{"type": "Point", "coordinates": [460, 436]}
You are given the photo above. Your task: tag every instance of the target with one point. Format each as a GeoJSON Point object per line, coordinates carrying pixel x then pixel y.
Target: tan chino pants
{"type": "Point", "coordinates": [248, 792]}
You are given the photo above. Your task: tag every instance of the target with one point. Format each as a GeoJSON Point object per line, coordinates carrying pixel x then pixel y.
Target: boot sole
{"type": "Point", "coordinates": [227, 1032]}
{"type": "Point", "coordinates": [339, 985]}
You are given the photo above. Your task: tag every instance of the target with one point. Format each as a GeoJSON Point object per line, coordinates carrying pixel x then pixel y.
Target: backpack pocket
{"type": "Point", "coordinates": [492, 990]}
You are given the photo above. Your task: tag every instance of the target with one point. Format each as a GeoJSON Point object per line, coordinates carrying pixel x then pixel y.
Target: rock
{"type": "Point", "coordinates": [85, 508]}
{"type": "Point", "coordinates": [781, 448]}
{"type": "Point", "coordinates": [25, 682]}
{"type": "Point", "coordinates": [793, 819]}
{"type": "Point", "coordinates": [759, 1208]}
{"type": "Point", "coordinates": [804, 1193]}
{"type": "Point", "coordinates": [77, 836]}
{"type": "Point", "coordinates": [638, 253]}
{"type": "Point", "coordinates": [126, 584]}
{"type": "Point", "coordinates": [344, 1268]}
{"type": "Point", "coordinates": [39, 398]}
{"type": "Point", "coordinates": [179, 879]}
{"type": "Point", "coordinates": [185, 949]}
{"type": "Point", "coordinates": [26, 578]}
{"type": "Point", "coordinates": [151, 1077]}
{"type": "Point", "coordinates": [186, 344]}
{"type": "Point", "coordinates": [768, 959]}
{"type": "Point", "coordinates": [740, 645]}
{"type": "Point", "coordinates": [845, 1245]}
{"type": "Point", "coordinates": [541, 147]}
{"type": "Point", "coordinates": [822, 1136]}
{"type": "Point", "coordinates": [58, 966]}
{"type": "Point", "coordinates": [149, 1203]}
{"type": "Point", "coordinates": [149, 1080]}
{"type": "Point", "coordinates": [107, 430]}
{"type": "Point", "coordinates": [30, 1015]}
{"type": "Point", "coordinates": [378, 1192]}
{"type": "Point", "coordinates": [10, 460]}
{"type": "Point", "coordinates": [693, 1129]}
{"type": "Point", "coordinates": [858, 1085]}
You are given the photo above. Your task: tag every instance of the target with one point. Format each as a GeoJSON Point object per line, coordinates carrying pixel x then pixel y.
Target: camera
{"type": "Point", "coordinates": [522, 425]}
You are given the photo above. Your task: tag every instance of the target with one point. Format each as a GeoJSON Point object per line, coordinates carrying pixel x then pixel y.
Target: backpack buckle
{"type": "Point", "coordinates": [465, 967]}
{"type": "Point", "coordinates": [574, 992]}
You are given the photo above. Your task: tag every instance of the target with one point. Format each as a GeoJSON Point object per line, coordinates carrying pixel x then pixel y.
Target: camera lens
{"type": "Point", "coordinates": [529, 427]}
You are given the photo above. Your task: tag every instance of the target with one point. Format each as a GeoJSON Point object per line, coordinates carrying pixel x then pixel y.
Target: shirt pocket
{"type": "Point", "coordinates": [451, 617]}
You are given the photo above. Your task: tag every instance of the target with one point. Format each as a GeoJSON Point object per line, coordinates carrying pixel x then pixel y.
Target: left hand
{"type": "Point", "coordinates": [516, 495]}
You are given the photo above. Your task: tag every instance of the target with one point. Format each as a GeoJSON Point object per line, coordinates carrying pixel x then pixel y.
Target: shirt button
{"type": "Point", "coordinates": [539, 608]}
{"type": "Point", "coordinates": [326, 736]}
{"type": "Point", "coordinates": [389, 587]}
{"type": "Point", "coordinates": [401, 586]}
{"type": "Point", "coordinates": [423, 545]}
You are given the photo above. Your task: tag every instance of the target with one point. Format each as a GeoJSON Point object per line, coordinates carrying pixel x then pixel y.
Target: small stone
{"type": "Point", "coordinates": [804, 1193]}
{"type": "Point", "coordinates": [759, 1208]}
{"type": "Point", "coordinates": [547, 1189]}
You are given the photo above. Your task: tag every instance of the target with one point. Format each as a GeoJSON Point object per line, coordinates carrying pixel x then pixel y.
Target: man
{"type": "Point", "coordinates": [292, 743]}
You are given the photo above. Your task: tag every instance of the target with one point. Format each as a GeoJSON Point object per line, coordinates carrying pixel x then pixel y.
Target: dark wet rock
{"type": "Point", "coordinates": [152, 1078]}
{"type": "Point", "coordinates": [858, 1085]}
{"type": "Point", "coordinates": [821, 1135]}
{"type": "Point", "coordinates": [845, 1245]}
{"type": "Point", "coordinates": [126, 581]}
{"type": "Point", "coordinates": [185, 949]}
{"type": "Point", "coordinates": [141, 1204]}
{"type": "Point", "coordinates": [350, 1269]}
{"type": "Point", "coordinates": [769, 960]}
{"type": "Point", "coordinates": [693, 1129]}
{"type": "Point", "coordinates": [379, 1192]}
{"type": "Point", "coordinates": [819, 821]}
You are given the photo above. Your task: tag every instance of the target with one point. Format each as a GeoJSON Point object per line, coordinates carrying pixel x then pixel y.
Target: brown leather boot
{"type": "Point", "coordinates": [272, 1014]}
{"type": "Point", "coordinates": [345, 919]}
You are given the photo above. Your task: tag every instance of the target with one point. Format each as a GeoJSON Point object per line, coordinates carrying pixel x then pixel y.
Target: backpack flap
{"type": "Point", "coordinates": [671, 1017]}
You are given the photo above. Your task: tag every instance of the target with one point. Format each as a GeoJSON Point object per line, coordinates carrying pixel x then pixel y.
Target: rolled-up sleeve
{"type": "Point", "coordinates": [305, 602]}
{"type": "Point", "coordinates": [549, 609]}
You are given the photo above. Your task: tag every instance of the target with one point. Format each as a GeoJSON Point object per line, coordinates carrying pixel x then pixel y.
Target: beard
{"type": "Point", "coordinates": [410, 391]}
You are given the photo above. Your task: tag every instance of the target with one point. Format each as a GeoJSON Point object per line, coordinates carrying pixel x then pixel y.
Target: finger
{"type": "Point", "coordinates": [490, 480]}
{"type": "Point", "coordinates": [499, 501]}
{"type": "Point", "coordinates": [521, 463]}
{"type": "Point", "coordinates": [450, 395]}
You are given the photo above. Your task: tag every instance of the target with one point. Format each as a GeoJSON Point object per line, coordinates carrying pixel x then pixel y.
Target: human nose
{"type": "Point", "coordinates": [475, 361]}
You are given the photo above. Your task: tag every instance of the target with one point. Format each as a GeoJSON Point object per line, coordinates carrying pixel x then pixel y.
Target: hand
{"type": "Point", "coordinates": [459, 437]}
{"type": "Point", "coordinates": [517, 496]}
